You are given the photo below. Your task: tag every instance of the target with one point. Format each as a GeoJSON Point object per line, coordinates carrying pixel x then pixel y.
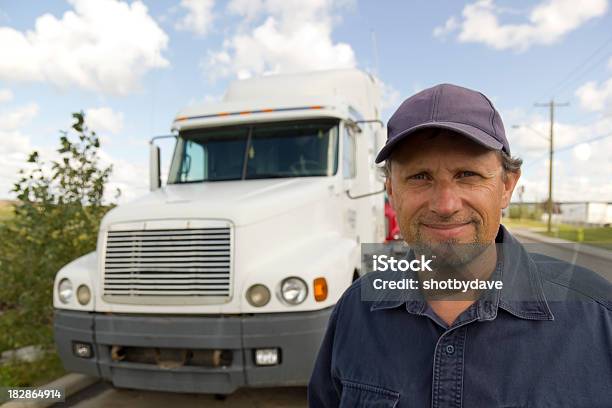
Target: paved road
{"type": "Point", "coordinates": [104, 395]}
{"type": "Point", "coordinates": [571, 253]}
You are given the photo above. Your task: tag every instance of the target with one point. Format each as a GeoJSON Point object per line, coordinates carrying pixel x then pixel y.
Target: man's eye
{"type": "Point", "coordinates": [420, 176]}
{"type": "Point", "coordinates": [467, 173]}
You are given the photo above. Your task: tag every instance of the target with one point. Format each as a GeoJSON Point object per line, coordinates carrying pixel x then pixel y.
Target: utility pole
{"type": "Point", "coordinates": [521, 190]}
{"type": "Point", "coordinates": [551, 105]}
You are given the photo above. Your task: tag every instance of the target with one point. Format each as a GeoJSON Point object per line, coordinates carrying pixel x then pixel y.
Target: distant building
{"type": "Point", "coordinates": [587, 213]}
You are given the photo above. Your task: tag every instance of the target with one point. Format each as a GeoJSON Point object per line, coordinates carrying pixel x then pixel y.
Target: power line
{"type": "Point", "coordinates": [591, 119]}
{"type": "Point", "coordinates": [594, 139]}
{"type": "Point", "coordinates": [566, 147]}
{"type": "Point", "coordinates": [578, 72]}
{"type": "Point", "coordinates": [577, 69]}
{"type": "Point", "coordinates": [599, 61]}
{"type": "Point", "coordinates": [535, 131]}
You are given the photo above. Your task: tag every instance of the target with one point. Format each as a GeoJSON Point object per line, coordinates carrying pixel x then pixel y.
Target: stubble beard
{"type": "Point", "coordinates": [451, 257]}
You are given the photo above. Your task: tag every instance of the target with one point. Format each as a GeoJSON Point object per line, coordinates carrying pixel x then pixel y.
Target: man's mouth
{"type": "Point", "coordinates": [446, 231]}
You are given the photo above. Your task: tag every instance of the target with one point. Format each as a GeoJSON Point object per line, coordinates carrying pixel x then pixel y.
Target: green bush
{"type": "Point", "coordinates": [56, 219]}
{"type": "Point", "coordinates": [514, 212]}
{"type": "Point", "coordinates": [524, 212]}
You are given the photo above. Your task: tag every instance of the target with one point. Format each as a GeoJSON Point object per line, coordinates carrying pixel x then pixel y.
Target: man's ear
{"type": "Point", "coordinates": [389, 189]}
{"type": "Point", "coordinates": [512, 179]}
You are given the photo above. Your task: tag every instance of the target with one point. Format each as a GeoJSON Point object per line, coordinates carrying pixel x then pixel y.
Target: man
{"type": "Point", "coordinates": [543, 340]}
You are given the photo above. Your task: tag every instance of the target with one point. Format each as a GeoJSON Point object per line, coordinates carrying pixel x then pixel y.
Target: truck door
{"type": "Point", "coordinates": [350, 182]}
{"type": "Point", "coordinates": [365, 183]}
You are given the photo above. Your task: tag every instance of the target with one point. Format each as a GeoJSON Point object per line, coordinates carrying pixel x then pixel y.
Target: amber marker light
{"type": "Point", "coordinates": [320, 289]}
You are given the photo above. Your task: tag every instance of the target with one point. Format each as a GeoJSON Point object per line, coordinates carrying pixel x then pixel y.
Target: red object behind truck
{"type": "Point", "coordinates": [392, 227]}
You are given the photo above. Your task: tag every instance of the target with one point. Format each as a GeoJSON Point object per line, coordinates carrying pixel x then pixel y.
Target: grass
{"type": "Point", "coordinates": [597, 236]}
{"type": "Point", "coordinates": [6, 210]}
{"type": "Point", "coordinates": [523, 223]}
{"type": "Point", "coordinates": [6, 339]}
{"type": "Point", "coordinates": [35, 374]}
{"type": "Point", "coordinates": [20, 373]}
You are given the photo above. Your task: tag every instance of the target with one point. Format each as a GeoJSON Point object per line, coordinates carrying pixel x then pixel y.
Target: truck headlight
{"type": "Point", "coordinates": [83, 294]}
{"type": "Point", "coordinates": [258, 295]}
{"type": "Point", "coordinates": [64, 290]}
{"type": "Point", "coordinates": [293, 290]}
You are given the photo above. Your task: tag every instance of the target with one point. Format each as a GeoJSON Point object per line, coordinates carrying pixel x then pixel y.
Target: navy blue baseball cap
{"type": "Point", "coordinates": [466, 112]}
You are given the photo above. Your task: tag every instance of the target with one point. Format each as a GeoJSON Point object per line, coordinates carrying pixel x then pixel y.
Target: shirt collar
{"type": "Point", "coordinates": [522, 294]}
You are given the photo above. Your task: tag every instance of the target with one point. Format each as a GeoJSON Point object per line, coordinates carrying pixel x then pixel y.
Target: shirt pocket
{"type": "Point", "coordinates": [358, 395]}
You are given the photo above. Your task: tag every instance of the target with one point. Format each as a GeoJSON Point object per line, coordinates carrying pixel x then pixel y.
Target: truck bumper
{"type": "Point", "coordinates": [297, 335]}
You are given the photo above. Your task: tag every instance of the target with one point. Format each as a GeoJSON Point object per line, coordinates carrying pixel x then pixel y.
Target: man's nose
{"type": "Point", "coordinates": [444, 200]}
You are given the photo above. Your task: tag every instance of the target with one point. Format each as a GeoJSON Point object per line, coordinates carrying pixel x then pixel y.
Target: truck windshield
{"type": "Point", "coordinates": [256, 151]}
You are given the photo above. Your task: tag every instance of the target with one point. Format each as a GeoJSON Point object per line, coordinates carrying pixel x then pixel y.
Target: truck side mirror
{"type": "Point", "coordinates": [154, 172]}
{"type": "Point", "coordinates": [380, 174]}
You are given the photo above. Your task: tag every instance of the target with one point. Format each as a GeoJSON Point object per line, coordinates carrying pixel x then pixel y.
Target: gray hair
{"type": "Point", "coordinates": [509, 165]}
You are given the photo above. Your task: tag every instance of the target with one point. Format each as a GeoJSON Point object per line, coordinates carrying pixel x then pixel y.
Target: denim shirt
{"type": "Point", "coordinates": [544, 340]}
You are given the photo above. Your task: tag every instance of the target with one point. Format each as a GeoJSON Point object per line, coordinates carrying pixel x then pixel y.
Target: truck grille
{"type": "Point", "coordinates": [167, 263]}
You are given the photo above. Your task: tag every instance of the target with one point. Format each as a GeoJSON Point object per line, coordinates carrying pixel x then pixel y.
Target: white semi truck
{"type": "Point", "coordinates": [226, 276]}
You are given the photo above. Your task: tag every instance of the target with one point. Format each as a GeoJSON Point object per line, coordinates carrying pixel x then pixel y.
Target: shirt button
{"type": "Point", "coordinates": [450, 349]}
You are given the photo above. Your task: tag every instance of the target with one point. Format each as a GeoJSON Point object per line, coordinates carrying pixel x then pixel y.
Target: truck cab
{"type": "Point", "coordinates": [225, 277]}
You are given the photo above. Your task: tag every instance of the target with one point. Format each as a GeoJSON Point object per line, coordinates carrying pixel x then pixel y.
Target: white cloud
{"type": "Point", "coordinates": [14, 119]}
{"type": "Point", "coordinates": [390, 97]}
{"type": "Point", "coordinates": [14, 145]}
{"type": "Point", "coordinates": [5, 95]}
{"type": "Point", "coordinates": [572, 177]}
{"type": "Point", "coordinates": [448, 27]}
{"type": "Point", "coordinates": [104, 119]}
{"type": "Point", "coordinates": [583, 151]}
{"type": "Point", "coordinates": [595, 97]}
{"type": "Point", "coordinates": [199, 16]}
{"type": "Point", "coordinates": [547, 23]}
{"type": "Point", "coordinates": [101, 45]}
{"type": "Point", "coordinates": [248, 9]}
{"type": "Point", "coordinates": [130, 177]}
{"type": "Point", "coordinates": [11, 142]}
{"type": "Point", "coordinates": [294, 36]}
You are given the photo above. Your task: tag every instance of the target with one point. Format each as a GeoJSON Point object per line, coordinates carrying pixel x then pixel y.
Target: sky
{"type": "Point", "coordinates": [132, 65]}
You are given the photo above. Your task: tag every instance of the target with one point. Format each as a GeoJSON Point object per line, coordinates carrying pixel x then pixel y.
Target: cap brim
{"type": "Point", "coordinates": [471, 132]}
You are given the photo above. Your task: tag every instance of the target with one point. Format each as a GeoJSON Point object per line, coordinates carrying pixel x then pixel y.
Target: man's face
{"type": "Point", "coordinates": [446, 189]}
